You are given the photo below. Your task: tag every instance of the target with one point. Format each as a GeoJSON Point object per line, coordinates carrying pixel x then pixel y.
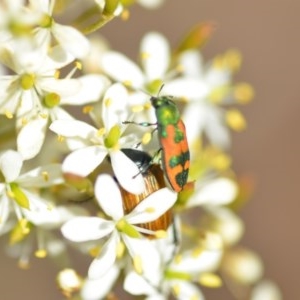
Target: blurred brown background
{"type": "Point", "coordinates": [267, 34]}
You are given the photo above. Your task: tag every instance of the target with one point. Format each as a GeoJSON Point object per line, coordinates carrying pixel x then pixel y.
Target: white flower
{"type": "Point", "coordinates": [35, 93]}
{"type": "Point", "coordinates": [218, 191]}
{"type": "Point", "coordinates": [178, 276]}
{"type": "Point", "coordinates": [69, 38]}
{"type": "Point", "coordinates": [92, 145]}
{"type": "Point", "coordinates": [121, 227]}
{"type": "Point", "coordinates": [21, 188]}
{"type": "Point", "coordinates": [155, 56]}
{"type": "Point", "coordinates": [40, 240]}
{"type": "Point", "coordinates": [196, 86]}
{"type": "Point", "coordinates": [96, 289]}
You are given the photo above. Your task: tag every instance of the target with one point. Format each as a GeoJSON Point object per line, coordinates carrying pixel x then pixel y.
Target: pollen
{"type": "Point", "coordinates": [94, 251]}
{"type": "Point", "coordinates": [44, 115]}
{"type": "Point", "coordinates": [150, 210]}
{"type": "Point", "coordinates": [40, 253]}
{"type": "Point", "coordinates": [137, 108]}
{"type": "Point", "coordinates": [45, 175]}
{"type": "Point", "coordinates": [145, 55]}
{"type": "Point", "coordinates": [160, 234]}
{"type": "Point", "coordinates": [107, 102]}
{"type": "Point", "coordinates": [146, 138]}
{"type": "Point", "coordinates": [210, 280]}
{"type": "Point", "coordinates": [197, 252]}
{"type": "Point", "coordinates": [27, 81]}
{"type": "Point", "coordinates": [8, 114]}
{"type": "Point", "coordinates": [137, 264]}
{"type": "Point", "coordinates": [243, 93]}
{"type": "Point", "coordinates": [120, 250]}
{"type": "Point", "coordinates": [23, 264]}
{"type": "Point", "coordinates": [125, 15]}
{"type": "Point", "coordinates": [127, 83]}
{"type": "Point", "coordinates": [176, 289]}
{"type": "Point", "coordinates": [78, 65]}
{"type": "Point", "coordinates": [60, 138]}
{"type": "Point", "coordinates": [87, 109]}
{"type": "Point", "coordinates": [235, 120]}
{"type": "Point", "coordinates": [101, 132]}
{"type": "Point", "coordinates": [57, 74]}
{"type": "Point", "coordinates": [24, 121]}
{"type": "Point", "coordinates": [178, 259]}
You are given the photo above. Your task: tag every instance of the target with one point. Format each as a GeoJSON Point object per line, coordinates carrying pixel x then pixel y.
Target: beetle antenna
{"type": "Point", "coordinates": [161, 87]}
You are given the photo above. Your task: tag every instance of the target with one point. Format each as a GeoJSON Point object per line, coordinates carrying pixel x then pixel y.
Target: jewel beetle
{"type": "Point", "coordinates": [154, 180]}
{"type": "Point", "coordinates": [173, 141]}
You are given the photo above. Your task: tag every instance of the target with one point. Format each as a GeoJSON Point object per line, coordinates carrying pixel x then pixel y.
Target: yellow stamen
{"type": "Point", "coordinates": [137, 264]}
{"type": "Point", "coordinates": [235, 120]}
{"type": "Point", "coordinates": [41, 253]}
{"type": "Point", "coordinates": [8, 114]}
{"type": "Point", "coordinates": [210, 280]}
{"type": "Point", "coordinates": [87, 109]}
{"type": "Point", "coordinates": [146, 138]}
{"type": "Point", "coordinates": [45, 175]}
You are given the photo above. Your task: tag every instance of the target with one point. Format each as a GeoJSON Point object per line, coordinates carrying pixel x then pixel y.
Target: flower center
{"type": "Point", "coordinates": [46, 21]}
{"type": "Point", "coordinates": [51, 100]}
{"type": "Point", "coordinates": [27, 81]}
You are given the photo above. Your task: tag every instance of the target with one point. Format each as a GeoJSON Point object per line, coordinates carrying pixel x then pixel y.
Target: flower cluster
{"type": "Point", "coordinates": [81, 162]}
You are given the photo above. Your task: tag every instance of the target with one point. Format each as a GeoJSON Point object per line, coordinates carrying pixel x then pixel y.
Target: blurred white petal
{"type": "Point", "coordinates": [11, 163]}
{"type": "Point", "coordinates": [83, 161]}
{"type": "Point", "coordinates": [122, 69]}
{"type": "Point", "coordinates": [127, 173]}
{"type": "Point", "coordinates": [220, 191]}
{"type": "Point", "coordinates": [155, 52]}
{"type": "Point", "coordinates": [72, 40]}
{"type": "Point", "coordinates": [95, 289]}
{"type": "Point", "coordinates": [106, 259]}
{"type": "Point", "coordinates": [152, 207]}
{"type": "Point", "coordinates": [31, 138]}
{"type": "Point", "coordinates": [109, 196]}
{"type": "Point", "coordinates": [81, 229]}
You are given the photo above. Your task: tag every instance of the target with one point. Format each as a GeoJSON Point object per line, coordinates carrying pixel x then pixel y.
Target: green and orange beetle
{"type": "Point", "coordinates": [172, 140]}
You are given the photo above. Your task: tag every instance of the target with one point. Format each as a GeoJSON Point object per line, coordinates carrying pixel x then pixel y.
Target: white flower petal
{"type": "Point", "coordinates": [155, 52]}
{"type": "Point", "coordinates": [82, 229]}
{"type": "Point", "coordinates": [109, 197]}
{"type": "Point", "coordinates": [192, 63]}
{"type": "Point", "coordinates": [227, 224]}
{"type": "Point", "coordinates": [73, 128]}
{"type": "Point", "coordinates": [122, 69]}
{"type": "Point", "coordinates": [11, 163]}
{"type": "Point", "coordinates": [152, 207]}
{"type": "Point", "coordinates": [266, 290]}
{"type": "Point", "coordinates": [63, 87]}
{"type": "Point", "coordinates": [220, 191]}
{"type": "Point", "coordinates": [205, 261]}
{"type": "Point", "coordinates": [98, 288]}
{"type": "Point", "coordinates": [137, 285]}
{"type": "Point", "coordinates": [42, 176]}
{"type": "Point", "coordinates": [71, 40]}
{"type": "Point", "coordinates": [31, 138]}
{"type": "Point", "coordinates": [187, 290]}
{"type": "Point", "coordinates": [143, 249]}
{"type": "Point", "coordinates": [127, 173]}
{"type": "Point", "coordinates": [106, 259]}
{"type": "Point", "coordinates": [83, 161]}
{"type": "Point", "coordinates": [189, 88]}
{"type": "Point", "coordinates": [91, 88]}
{"type": "Point", "coordinates": [4, 211]}
{"type": "Point", "coordinates": [114, 106]}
